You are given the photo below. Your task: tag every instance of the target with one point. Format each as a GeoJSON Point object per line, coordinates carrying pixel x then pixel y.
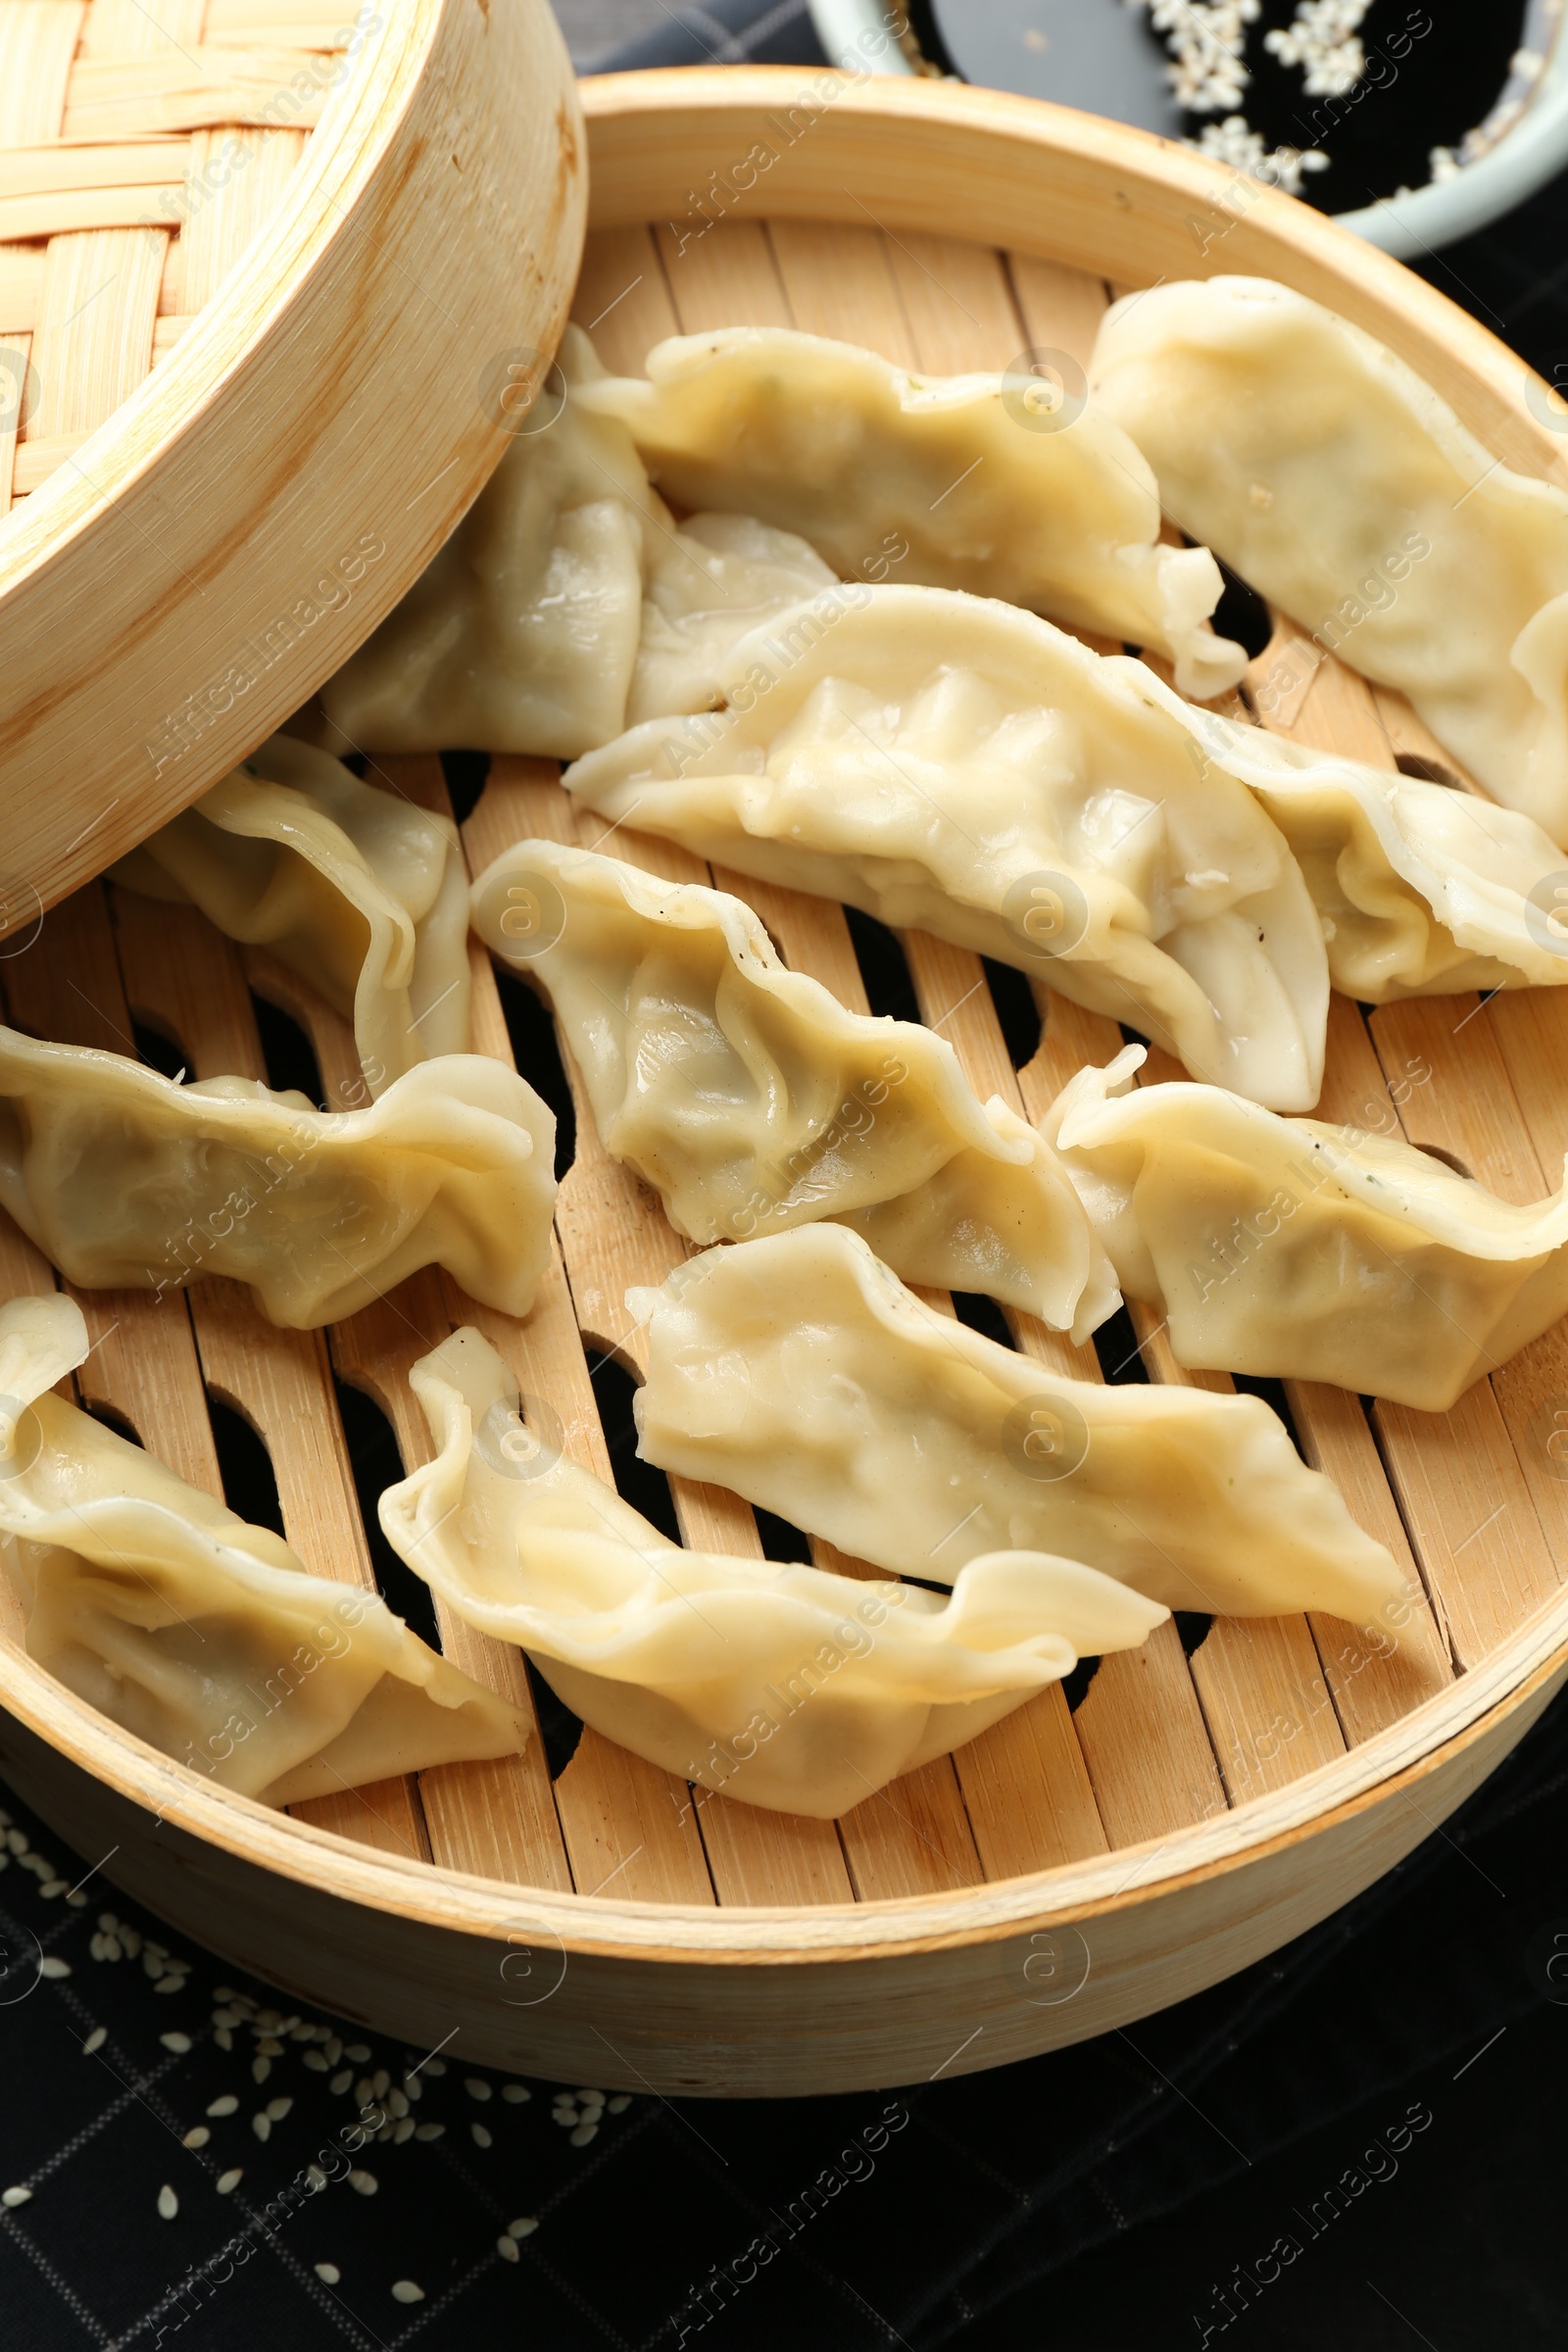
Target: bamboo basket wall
{"type": "Point", "coordinates": [246, 247]}
{"type": "Point", "coordinates": [1077, 1866]}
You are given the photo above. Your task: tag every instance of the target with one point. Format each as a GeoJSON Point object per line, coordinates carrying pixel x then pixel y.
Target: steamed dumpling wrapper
{"type": "Point", "coordinates": [786, 1687]}
{"type": "Point", "coordinates": [1290, 1247]}
{"type": "Point", "coordinates": [361, 893]}
{"type": "Point", "coordinates": [566, 589]}
{"type": "Point", "coordinates": [953, 765]}
{"type": "Point", "coordinates": [127, 1178]}
{"type": "Point", "coordinates": [1422, 889]}
{"type": "Point", "coordinates": [986, 485]}
{"type": "Point", "coordinates": [801, 1373]}
{"type": "Point", "coordinates": [198, 1634]}
{"type": "Point", "coordinates": [716, 578]}
{"type": "Point", "coordinates": [752, 1101]}
{"type": "Point", "coordinates": [1340, 486]}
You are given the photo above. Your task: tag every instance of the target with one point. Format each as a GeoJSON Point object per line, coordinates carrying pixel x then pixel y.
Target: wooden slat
{"type": "Point", "coordinates": [613, 1233]}
{"type": "Point", "coordinates": [38, 43]}
{"type": "Point", "coordinates": [235, 180]}
{"type": "Point", "coordinates": [93, 343]}
{"type": "Point", "coordinates": [1432, 1067]}
{"type": "Point", "coordinates": [193, 89]}
{"type": "Point", "coordinates": [864, 297]}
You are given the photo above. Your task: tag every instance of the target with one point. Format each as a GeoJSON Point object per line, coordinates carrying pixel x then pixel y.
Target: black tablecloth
{"type": "Point", "coordinates": [1357, 2141]}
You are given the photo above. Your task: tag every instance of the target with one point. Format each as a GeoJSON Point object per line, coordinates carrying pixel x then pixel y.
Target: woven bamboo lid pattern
{"type": "Point", "coordinates": [357, 211]}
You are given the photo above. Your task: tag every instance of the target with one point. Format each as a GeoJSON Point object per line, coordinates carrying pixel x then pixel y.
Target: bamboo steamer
{"type": "Point", "coordinates": [1071, 1870]}
{"type": "Point", "coordinates": [246, 250]}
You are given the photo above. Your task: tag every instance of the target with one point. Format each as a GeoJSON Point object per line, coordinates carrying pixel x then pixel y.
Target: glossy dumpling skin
{"type": "Point", "coordinates": [125, 1179]}
{"type": "Point", "coordinates": [786, 1687]}
{"type": "Point", "coordinates": [201, 1635]}
{"type": "Point", "coordinates": [801, 1373]}
{"type": "Point", "coordinates": [566, 604]}
{"type": "Point", "coordinates": [953, 765]}
{"type": "Point", "coordinates": [1338, 483]}
{"type": "Point", "coordinates": [1422, 889]}
{"type": "Point", "coordinates": [709, 583]}
{"type": "Point", "coordinates": [981, 490]}
{"type": "Point", "coordinates": [1291, 1247]}
{"type": "Point", "coordinates": [752, 1102]}
{"type": "Point", "coordinates": [357, 890]}
{"type": "Point", "coordinates": [521, 635]}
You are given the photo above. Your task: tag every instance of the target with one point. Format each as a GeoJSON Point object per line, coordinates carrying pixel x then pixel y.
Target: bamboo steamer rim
{"type": "Point", "coordinates": [1114, 159]}
{"type": "Point", "coordinates": [1391, 1763]}
{"type": "Point", "coordinates": [233, 477]}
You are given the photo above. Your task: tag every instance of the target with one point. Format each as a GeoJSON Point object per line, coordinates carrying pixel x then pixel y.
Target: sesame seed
{"type": "Point", "coordinates": [279, 2108]}
{"type": "Point", "coordinates": [397, 2102]}
{"type": "Point", "coordinates": [54, 1967]}
{"type": "Point", "coordinates": [413, 2086]}
{"type": "Point", "coordinates": [261, 2068]}
{"type": "Point", "coordinates": [334, 2048]}
{"type": "Point", "coordinates": [13, 2197]}
{"type": "Point", "coordinates": [361, 2092]}
{"type": "Point", "coordinates": [228, 2017]}
{"type": "Point", "coordinates": [315, 2063]}
{"type": "Point", "coordinates": [227, 2105]}
{"type": "Point", "coordinates": [340, 2081]}
{"type": "Point", "coordinates": [314, 2176]}
{"type": "Point", "coordinates": [433, 2065]}
{"type": "Point", "coordinates": [620, 2102]}
{"type": "Point", "coordinates": [17, 1841]}
{"type": "Point", "coordinates": [386, 2130]}
{"type": "Point", "coordinates": [429, 2131]}
{"type": "Point", "coordinates": [261, 2126]}
{"type": "Point", "coordinates": [404, 2291]}
{"type": "Point", "coordinates": [229, 2181]}
{"type": "Point", "coordinates": [586, 2091]}
{"type": "Point", "coordinates": [51, 1888]}
{"type": "Point", "coordinates": [168, 2203]}
{"type": "Point", "coordinates": [402, 2130]}
{"type": "Point", "coordinates": [365, 2183]}
{"type": "Point", "coordinates": [476, 2087]}
{"type": "Point", "coordinates": [516, 2094]}
{"type": "Point", "coordinates": [224, 2038]}
{"type": "Point", "coordinates": [358, 2051]}
{"type": "Point", "coordinates": [270, 2047]}
{"type": "Point", "coordinates": [76, 1901]}
{"type": "Point", "coordinates": [95, 2040]}
{"type": "Point", "coordinates": [268, 2020]}
{"type": "Point", "coordinates": [507, 2248]}
{"type": "Point", "coordinates": [172, 1983]}
{"type": "Point", "coordinates": [306, 2032]}
{"type": "Point", "coordinates": [224, 1993]}
{"type": "Point", "coordinates": [328, 2273]}
{"type": "Point", "coordinates": [482, 2137]}
{"type": "Point", "coordinates": [196, 2137]}
{"type": "Point", "coordinates": [179, 2043]}
{"type": "Point", "coordinates": [380, 2083]}
{"type": "Point", "coordinates": [524, 2228]}
{"type": "Point", "coordinates": [583, 2134]}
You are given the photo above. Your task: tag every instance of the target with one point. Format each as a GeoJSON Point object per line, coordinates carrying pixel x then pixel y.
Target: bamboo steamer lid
{"type": "Point", "coordinates": [262, 263]}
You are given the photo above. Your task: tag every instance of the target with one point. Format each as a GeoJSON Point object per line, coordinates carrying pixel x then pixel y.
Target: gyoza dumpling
{"type": "Point", "coordinates": [708, 585]}
{"type": "Point", "coordinates": [801, 1373]}
{"type": "Point", "coordinates": [750, 1101]}
{"type": "Point", "coordinates": [363, 893]}
{"type": "Point", "coordinates": [198, 1634]}
{"type": "Point", "coordinates": [786, 1687]}
{"type": "Point", "coordinates": [566, 589]}
{"type": "Point", "coordinates": [1315, 1252]}
{"type": "Point", "coordinates": [127, 1179]}
{"type": "Point", "coordinates": [1325, 471]}
{"type": "Point", "coordinates": [983, 484]}
{"type": "Point", "coordinates": [953, 765]}
{"type": "Point", "coordinates": [1423, 891]}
